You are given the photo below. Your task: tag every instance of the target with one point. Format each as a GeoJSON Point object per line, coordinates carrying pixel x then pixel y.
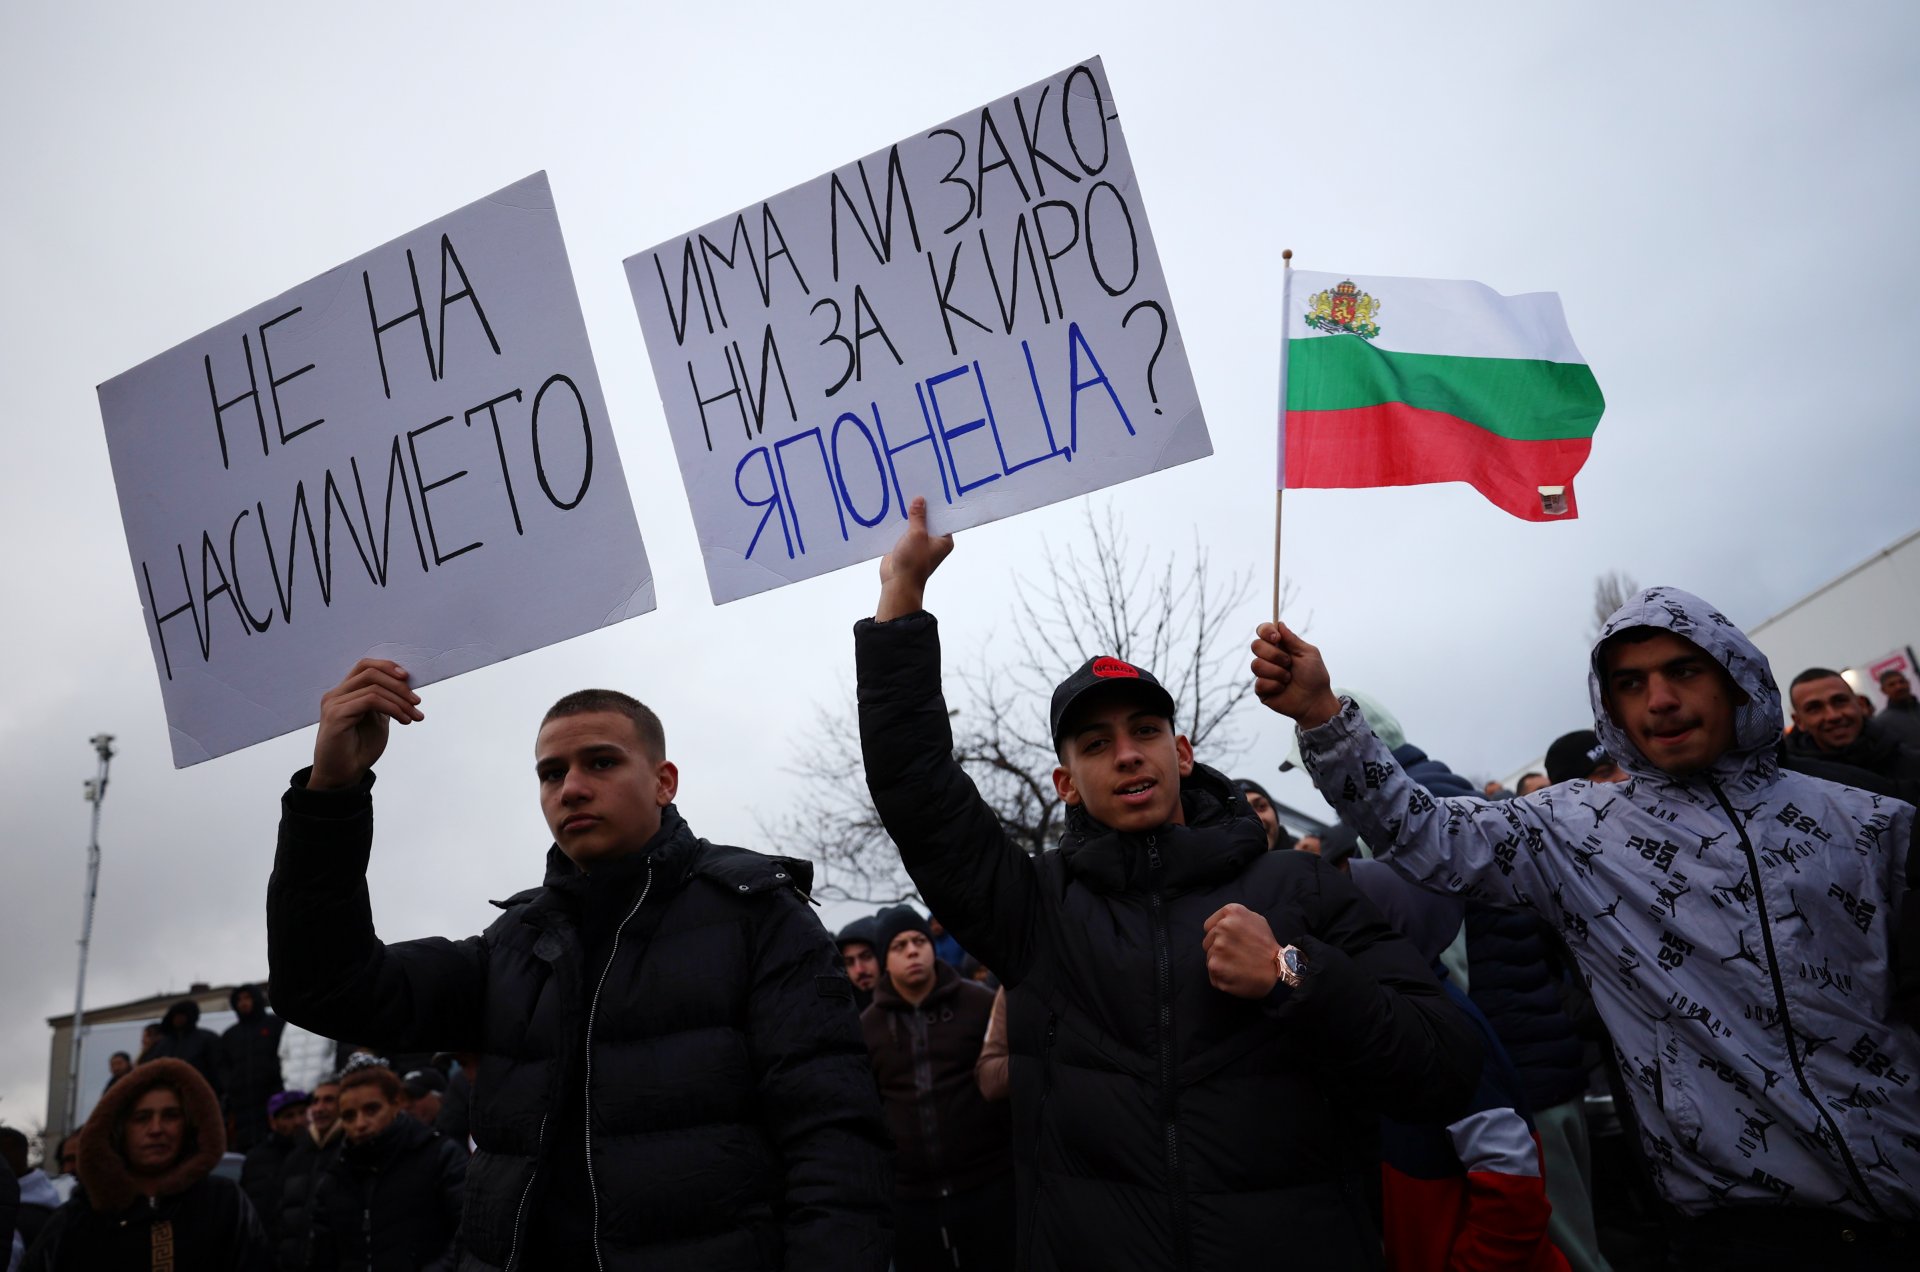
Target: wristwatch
{"type": "Point", "coordinates": [1288, 966]}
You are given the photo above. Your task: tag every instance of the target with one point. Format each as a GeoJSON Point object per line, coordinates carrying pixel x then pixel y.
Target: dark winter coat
{"type": "Point", "coordinates": [950, 1138]}
{"type": "Point", "coordinates": [115, 1221]}
{"type": "Point", "coordinates": [734, 1119]}
{"type": "Point", "coordinates": [290, 1223]}
{"type": "Point", "coordinates": [1878, 752]}
{"type": "Point", "coordinates": [185, 1040]}
{"type": "Point", "coordinates": [391, 1204]}
{"type": "Point", "coordinates": [260, 1175]}
{"type": "Point", "coordinates": [1159, 1122]}
{"type": "Point", "coordinates": [250, 1056]}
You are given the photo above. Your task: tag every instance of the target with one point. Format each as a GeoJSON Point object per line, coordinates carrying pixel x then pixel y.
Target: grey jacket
{"type": "Point", "coordinates": [1705, 913]}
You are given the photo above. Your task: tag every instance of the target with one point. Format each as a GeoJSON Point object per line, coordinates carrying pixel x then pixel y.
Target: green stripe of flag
{"type": "Point", "coordinates": [1520, 398]}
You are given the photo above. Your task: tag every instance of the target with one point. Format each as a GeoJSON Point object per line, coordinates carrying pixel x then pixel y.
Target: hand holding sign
{"type": "Point", "coordinates": [353, 722]}
{"type": "Point", "coordinates": [905, 570]}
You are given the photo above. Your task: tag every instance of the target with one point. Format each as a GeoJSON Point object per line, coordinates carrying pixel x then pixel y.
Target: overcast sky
{"type": "Point", "coordinates": [1723, 195]}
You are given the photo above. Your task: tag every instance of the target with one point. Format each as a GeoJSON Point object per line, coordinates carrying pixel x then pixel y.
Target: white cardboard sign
{"type": "Point", "coordinates": [976, 314]}
{"type": "Point", "coordinates": [407, 457]}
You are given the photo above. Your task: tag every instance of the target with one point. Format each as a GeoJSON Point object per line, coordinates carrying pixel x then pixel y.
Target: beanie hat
{"type": "Point", "coordinates": [862, 930]}
{"type": "Point", "coordinates": [891, 922]}
{"type": "Point", "coordinates": [1574, 755]}
{"type": "Point", "coordinates": [286, 1099]}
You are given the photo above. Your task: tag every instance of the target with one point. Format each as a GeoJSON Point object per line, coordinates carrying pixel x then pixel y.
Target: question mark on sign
{"type": "Point", "coordinates": [1157, 349]}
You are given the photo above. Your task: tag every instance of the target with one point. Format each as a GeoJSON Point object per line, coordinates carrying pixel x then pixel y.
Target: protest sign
{"type": "Point", "coordinates": [407, 457]}
{"type": "Point", "coordinates": [976, 314]}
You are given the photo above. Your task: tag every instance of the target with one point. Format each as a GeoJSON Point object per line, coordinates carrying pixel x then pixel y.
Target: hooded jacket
{"type": "Point", "coordinates": [186, 1040]}
{"type": "Point", "coordinates": [712, 1048]}
{"type": "Point", "coordinates": [119, 1221]}
{"type": "Point", "coordinates": [250, 1057]}
{"type": "Point", "coordinates": [391, 1204]}
{"type": "Point", "coordinates": [1738, 929]}
{"type": "Point", "coordinates": [1160, 1123]}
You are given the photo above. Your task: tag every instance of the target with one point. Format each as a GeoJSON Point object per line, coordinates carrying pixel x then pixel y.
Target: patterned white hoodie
{"type": "Point", "coordinates": [1735, 928]}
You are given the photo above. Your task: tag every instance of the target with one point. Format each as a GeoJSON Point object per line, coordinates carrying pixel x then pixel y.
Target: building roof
{"type": "Point", "coordinates": [155, 1006]}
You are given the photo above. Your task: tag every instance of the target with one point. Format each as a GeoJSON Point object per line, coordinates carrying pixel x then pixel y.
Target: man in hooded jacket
{"type": "Point", "coordinates": [250, 1056]}
{"type": "Point", "coordinates": [1748, 934]}
{"type": "Point", "coordinates": [182, 1038]}
{"type": "Point", "coordinates": [148, 1196]}
{"type": "Point", "coordinates": [1190, 1016]}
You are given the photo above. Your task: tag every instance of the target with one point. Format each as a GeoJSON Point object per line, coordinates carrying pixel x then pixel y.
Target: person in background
{"type": "Point", "coordinates": [953, 1173]}
{"type": "Point", "coordinates": [1262, 805]}
{"type": "Point", "coordinates": [149, 1198]}
{"type": "Point", "coordinates": [119, 1065]}
{"type": "Point", "coordinates": [250, 1057]}
{"type": "Point", "coordinates": [426, 1091]}
{"type": "Point", "coordinates": [291, 1224]}
{"type": "Point", "coordinates": [37, 1198]}
{"type": "Point", "coordinates": [945, 947]}
{"type": "Point", "coordinates": [1580, 756]}
{"type": "Point", "coordinates": [859, 959]}
{"type": "Point", "coordinates": [1900, 718]}
{"type": "Point", "coordinates": [182, 1038]}
{"type": "Point", "coordinates": [260, 1177]}
{"type": "Point", "coordinates": [1494, 790]}
{"type": "Point", "coordinates": [150, 1036]}
{"type": "Point", "coordinates": [1530, 783]}
{"type": "Point", "coordinates": [392, 1197]}
{"type": "Point", "coordinates": [1830, 724]}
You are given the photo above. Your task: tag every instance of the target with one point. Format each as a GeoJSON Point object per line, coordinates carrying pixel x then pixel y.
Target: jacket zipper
{"type": "Point", "coordinates": [1039, 1129]}
{"type": "Point", "coordinates": [1780, 1005]}
{"type": "Point", "coordinates": [1163, 992]}
{"type": "Point", "coordinates": [593, 1187]}
{"type": "Point", "coordinates": [520, 1211]}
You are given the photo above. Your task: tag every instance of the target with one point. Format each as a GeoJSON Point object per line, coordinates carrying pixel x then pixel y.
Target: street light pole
{"type": "Point", "coordinates": [96, 792]}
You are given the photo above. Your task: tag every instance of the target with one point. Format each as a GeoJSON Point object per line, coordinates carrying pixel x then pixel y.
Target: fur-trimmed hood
{"type": "Point", "coordinates": [102, 1167]}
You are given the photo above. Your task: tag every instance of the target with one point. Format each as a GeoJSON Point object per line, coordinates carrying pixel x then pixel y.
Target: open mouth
{"type": "Point", "coordinates": [1137, 793]}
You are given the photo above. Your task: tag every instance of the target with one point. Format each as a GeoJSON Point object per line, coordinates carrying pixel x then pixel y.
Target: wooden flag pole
{"type": "Point", "coordinates": [1280, 491]}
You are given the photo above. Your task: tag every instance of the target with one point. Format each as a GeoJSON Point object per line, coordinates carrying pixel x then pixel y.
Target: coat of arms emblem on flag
{"type": "Point", "coordinates": [1343, 310]}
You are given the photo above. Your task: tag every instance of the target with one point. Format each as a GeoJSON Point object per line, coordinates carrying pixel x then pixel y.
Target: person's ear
{"type": "Point", "coordinates": [1184, 749]}
{"type": "Point", "coordinates": [667, 778]}
{"type": "Point", "coordinates": [1064, 787]}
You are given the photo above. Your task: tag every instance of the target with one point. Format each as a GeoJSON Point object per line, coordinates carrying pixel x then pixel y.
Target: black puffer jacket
{"type": "Point", "coordinates": [290, 1224]}
{"type": "Point", "coordinates": [391, 1204]}
{"type": "Point", "coordinates": [250, 1057]}
{"type": "Point", "coordinates": [1160, 1123]}
{"type": "Point", "coordinates": [1515, 978]}
{"type": "Point", "coordinates": [182, 1038]}
{"type": "Point", "coordinates": [735, 1122]}
{"type": "Point", "coordinates": [951, 1139]}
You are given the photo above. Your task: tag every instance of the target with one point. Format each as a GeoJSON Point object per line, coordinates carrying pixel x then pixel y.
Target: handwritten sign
{"type": "Point", "coordinates": [407, 457]}
{"type": "Point", "coordinates": [976, 314]}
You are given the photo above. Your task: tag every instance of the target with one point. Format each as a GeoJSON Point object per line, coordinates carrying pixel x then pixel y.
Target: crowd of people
{"type": "Point", "coordinates": [1181, 1039]}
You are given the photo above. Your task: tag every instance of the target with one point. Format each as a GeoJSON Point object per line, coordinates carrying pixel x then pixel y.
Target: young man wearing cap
{"type": "Point", "coordinates": [1580, 756]}
{"type": "Point", "coordinates": [1193, 1020]}
{"type": "Point", "coordinates": [1750, 935]}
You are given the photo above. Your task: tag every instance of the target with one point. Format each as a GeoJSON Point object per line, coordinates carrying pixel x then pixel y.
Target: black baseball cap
{"type": "Point", "coordinates": [1101, 675]}
{"type": "Point", "coordinates": [1575, 755]}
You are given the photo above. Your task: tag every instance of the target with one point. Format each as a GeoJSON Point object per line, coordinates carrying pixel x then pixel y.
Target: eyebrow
{"type": "Point", "coordinates": [593, 749]}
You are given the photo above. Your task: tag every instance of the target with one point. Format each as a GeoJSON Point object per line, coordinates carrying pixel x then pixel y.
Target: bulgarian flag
{"type": "Point", "coordinates": [1404, 381]}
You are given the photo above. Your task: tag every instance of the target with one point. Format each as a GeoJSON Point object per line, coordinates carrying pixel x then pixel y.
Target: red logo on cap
{"type": "Point", "coordinates": [1108, 668]}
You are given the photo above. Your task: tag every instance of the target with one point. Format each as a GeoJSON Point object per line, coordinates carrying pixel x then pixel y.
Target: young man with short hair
{"type": "Point", "coordinates": [671, 1074]}
{"type": "Point", "coordinates": [1900, 718]}
{"type": "Point", "coordinates": [148, 1197]}
{"type": "Point", "coordinates": [953, 1177]}
{"type": "Point", "coordinates": [1749, 934]}
{"type": "Point", "coordinates": [1831, 724]}
{"type": "Point", "coordinates": [1192, 1019]}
